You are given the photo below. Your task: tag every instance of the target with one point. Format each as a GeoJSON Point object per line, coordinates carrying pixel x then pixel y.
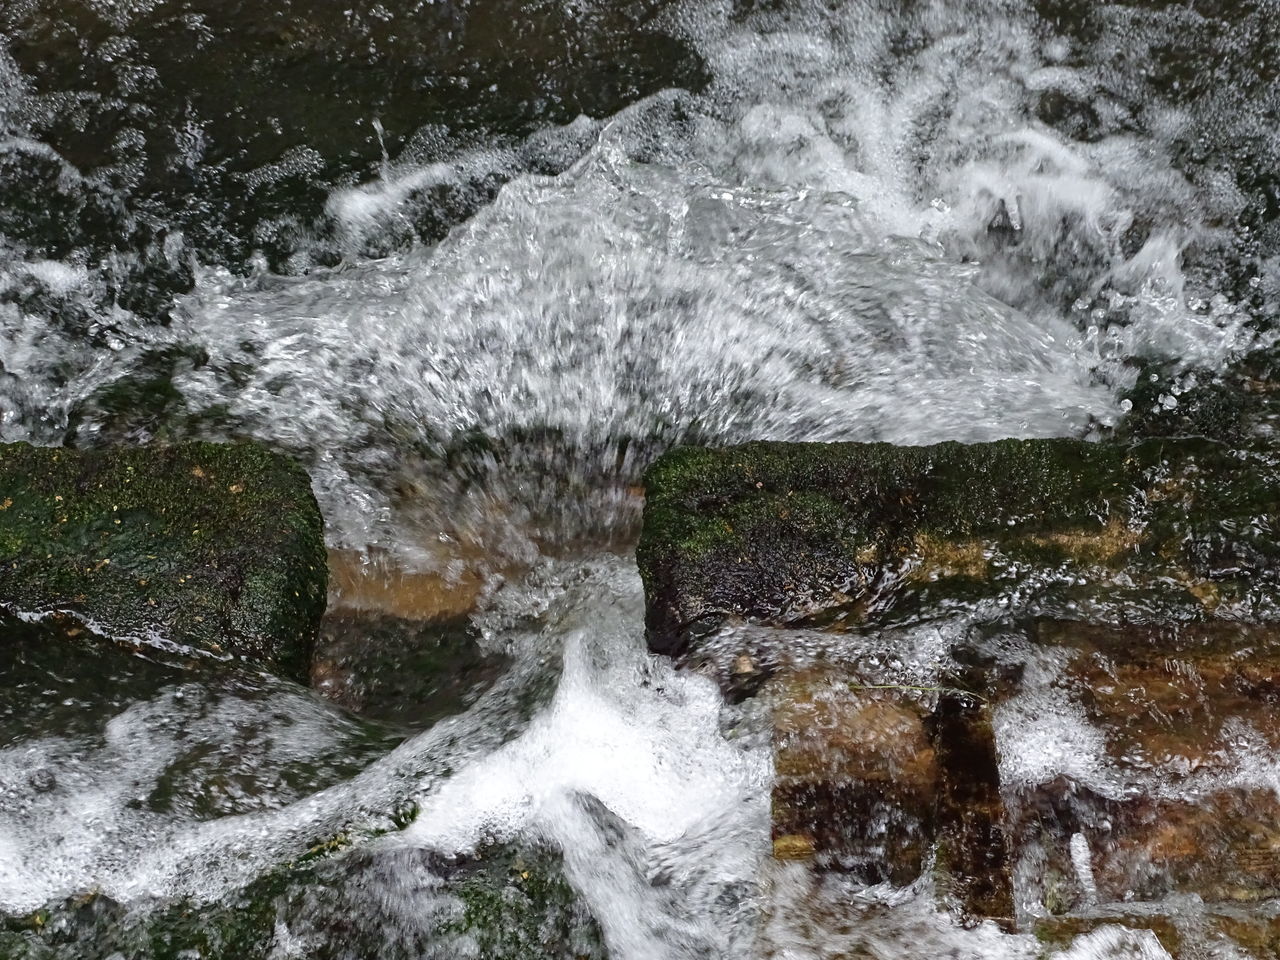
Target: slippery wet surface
{"type": "Point", "coordinates": [476, 265]}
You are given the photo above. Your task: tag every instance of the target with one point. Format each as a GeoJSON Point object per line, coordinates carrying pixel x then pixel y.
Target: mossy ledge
{"type": "Point", "coordinates": [790, 532]}
{"type": "Point", "coordinates": [506, 902]}
{"type": "Point", "coordinates": [197, 547]}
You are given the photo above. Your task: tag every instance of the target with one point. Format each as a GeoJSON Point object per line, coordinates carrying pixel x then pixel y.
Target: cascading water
{"type": "Point", "coordinates": [916, 222]}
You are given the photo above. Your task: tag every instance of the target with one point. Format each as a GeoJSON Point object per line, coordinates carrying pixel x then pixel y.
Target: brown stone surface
{"type": "Point", "coordinates": [371, 582]}
{"type": "Point", "coordinates": [1168, 697]}
{"type": "Point", "coordinates": [782, 570]}
{"type": "Point", "coordinates": [1059, 932]}
{"type": "Point", "coordinates": [856, 776]}
{"type": "Point", "coordinates": [871, 778]}
{"type": "Point", "coordinates": [1190, 935]}
{"type": "Point", "coordinates": [395, 644]}
{"type": "Point", "coordinates": [973, 849]}
{"type": "Point", "coordinates": [868, 778]}
{"type": "Point", "coordinates": [1224, 848]}
{"type": "Point", "coordinates": [1173, 705]}
{"type": "Point", "coordinates": [1258, 936]}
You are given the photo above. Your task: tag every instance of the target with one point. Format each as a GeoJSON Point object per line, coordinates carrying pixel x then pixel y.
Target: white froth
{"type": "Point", "coordinates": [60, 278]}
{"type": "Point", "coordinates": [628, 735]}
{"type": "Point", "coordinates": [1043, 733]}
{"type": "Point", "coordinates": [98, 827]}
{"type": "Point", "coordinates": [801, 253]}
{"type": "Point", "coordinates": [1114, 942]}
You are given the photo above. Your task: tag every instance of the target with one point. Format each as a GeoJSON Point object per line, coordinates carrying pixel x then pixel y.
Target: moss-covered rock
{"type": "Point", "coordinates": [400, 903]}
{"type": "Point", "coordinates": [812, 533]}
{"type": "Point", "coordinates": [1178, 712]}
{"type": "Point", "coordinates": [216, 549]}
{"type": "Point", "coordinates": [844, 546]}
{"type": "Point", "coordinates": [405, 672]}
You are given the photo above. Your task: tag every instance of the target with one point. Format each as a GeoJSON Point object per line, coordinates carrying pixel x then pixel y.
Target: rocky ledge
{"type": "Point", "coordinates": [813, 534]}
{"type": "Point", "coordinates": [1042, 671]}
{"type": "Point", "coordinates": [197, 548]}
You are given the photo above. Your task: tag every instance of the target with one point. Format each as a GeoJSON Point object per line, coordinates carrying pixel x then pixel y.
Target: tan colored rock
{"type": "Point", "coordinates": [1223, 848]}
{"type": "Point", "coordinates": [1058, 932]}
{"type": "Point", "coordinates": [1169, 697]}
{"type": "Point", "coordinates": [855, 776]}
{"type": "Point", "coordinates": [1173, 705]}
{"type": "Point", "coordinates": [369, 581]}
{"type": "Point", "coordinates": [1189, 935]}
{"type": "Point", "coordinates": [936, 558]}
{"type": "Point", "coordinates": [1258, 936]}
{"type": "Point", "coordinates": [870, 779]}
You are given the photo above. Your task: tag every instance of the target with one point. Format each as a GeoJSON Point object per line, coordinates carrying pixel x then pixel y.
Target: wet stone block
{"type": "Point", "coordinates": [1173, 698]}
{"type": "Point", "coordinates": [870, 780]}
{"type": "Point", "coordinates": [855, 778]}
{"type": "Point", "coordinates": [843, 534]}
{"type": "Point", "coordinates": [1188, 725]}
{"type": "Point", "coordinates": [782, 569]}
{"type": "Point", "coordinates": [195, 548]}
{"type": "Point", "coordinates": [1191, 933]}
{"type": "Point", "coordinates": [974, 859]}
{"type": "Point", "coordinates": [1088, 849]}
{"type": "Point", "coordinates": [1060, 932]}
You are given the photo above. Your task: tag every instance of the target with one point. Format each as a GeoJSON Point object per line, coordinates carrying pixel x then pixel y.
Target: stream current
{"type": "Point", "coordinates": [866, 221]}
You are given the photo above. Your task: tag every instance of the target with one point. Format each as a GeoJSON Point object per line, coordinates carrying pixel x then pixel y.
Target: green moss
{"type": "Point", "coordinates": [213, 547]}
{"type": "Point", "coordinates": [517, 905]}
{"type": "Point", "coordinates": [505, 903]}
{"type": "Point", "coordinates": [780, 532]}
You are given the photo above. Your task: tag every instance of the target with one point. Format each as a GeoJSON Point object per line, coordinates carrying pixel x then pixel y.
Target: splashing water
{"type": "Point", "coordinates": [907, 222]}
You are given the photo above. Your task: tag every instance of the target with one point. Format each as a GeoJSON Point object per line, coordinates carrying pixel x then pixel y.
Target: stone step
{"type": "Point", "coordinates": [1099, 727]}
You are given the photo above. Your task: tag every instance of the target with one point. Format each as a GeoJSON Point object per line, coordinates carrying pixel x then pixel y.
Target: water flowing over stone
{"type": "Point", "coordinates": [476, 278]}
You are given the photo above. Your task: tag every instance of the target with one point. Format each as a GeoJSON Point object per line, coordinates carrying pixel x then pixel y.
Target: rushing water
{"type": "Point", "coordinates": [905, 222]}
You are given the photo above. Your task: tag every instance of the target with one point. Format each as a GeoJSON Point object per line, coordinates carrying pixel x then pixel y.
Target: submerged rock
{"type": "Point", "coordinates": [398, 903]}
{"type": "Point", "coordinates": [855, 777]}
{"type": "Point", "coordinates": [1046, 668]}
{"type": "Point", "coordinates": [407, 672]}
{"type": "Point", "coordinates": [870, 779]}
{"type": "Point", "coordinates": [1183, 715]}
{"type": "Point", "coordinates": [224, 125]}
{"type": "Point", "coordinates": [197, 548]}
{"type": "Point", "coordinates": [1211, 932]}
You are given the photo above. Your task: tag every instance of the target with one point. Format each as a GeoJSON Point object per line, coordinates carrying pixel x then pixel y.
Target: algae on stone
{"type": "Point", "coordinates": [206, 547]}
{"type": "Point", "coordinates": [793, 533]}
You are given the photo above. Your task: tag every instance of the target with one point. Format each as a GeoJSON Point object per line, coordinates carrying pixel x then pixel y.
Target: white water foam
{"type": "Point", "coordinates": [805, 251]}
